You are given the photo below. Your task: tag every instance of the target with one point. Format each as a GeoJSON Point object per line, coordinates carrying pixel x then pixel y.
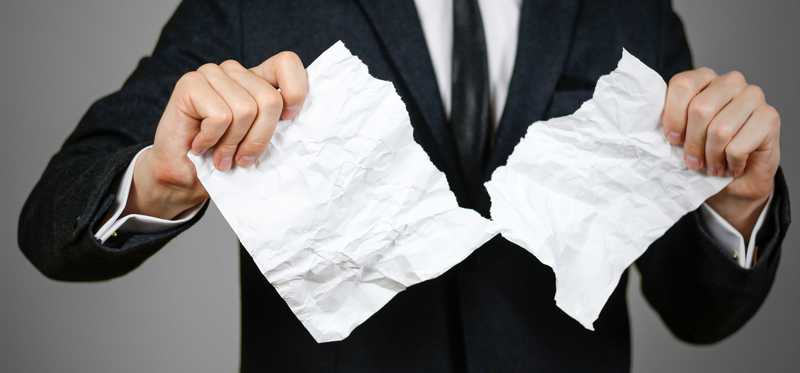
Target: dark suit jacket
{"type": "Point", "coordinates": [492, 313]}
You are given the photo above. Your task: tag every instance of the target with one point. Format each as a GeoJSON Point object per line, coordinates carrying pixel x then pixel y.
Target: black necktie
{"type": "Point", "coordinates": [469, 118]}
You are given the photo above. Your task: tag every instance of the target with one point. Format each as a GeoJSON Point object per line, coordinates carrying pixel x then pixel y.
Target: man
{"type": "Point", "coordinates": [474, 74]}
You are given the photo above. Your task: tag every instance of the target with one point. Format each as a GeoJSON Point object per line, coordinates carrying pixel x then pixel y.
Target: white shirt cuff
{"type": "Point", "coordinates": [730, 238]}
{"type": "Point", "coordinates": [136, 223]}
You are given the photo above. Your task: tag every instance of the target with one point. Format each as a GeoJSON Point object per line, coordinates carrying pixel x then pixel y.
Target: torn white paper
{"type": "Point", "coordinates": [344, 210]}
{"type": "Point", "coordinates": [589, 192]}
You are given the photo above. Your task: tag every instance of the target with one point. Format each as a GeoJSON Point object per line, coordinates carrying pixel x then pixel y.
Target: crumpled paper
{"type": "Point", "coordinates": [344, 210]}
{"type": "Point", "coordinates": [589, 192]}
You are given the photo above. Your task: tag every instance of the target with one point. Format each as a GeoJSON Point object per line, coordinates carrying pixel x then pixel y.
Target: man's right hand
{"type": "Point", "coordinates": [226, 109]}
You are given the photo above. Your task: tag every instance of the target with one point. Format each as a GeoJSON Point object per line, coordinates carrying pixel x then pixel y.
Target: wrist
{"type": "Point", "coordinates": [741, 212]}
{"type": "Point", "coordinates": [156, 192]}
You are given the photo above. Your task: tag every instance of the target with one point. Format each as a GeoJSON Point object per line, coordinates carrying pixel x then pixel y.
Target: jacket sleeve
{"type": "Point", "coordinates": [75, 192]}
{"type": "Point", "coordinates": [702, 294]}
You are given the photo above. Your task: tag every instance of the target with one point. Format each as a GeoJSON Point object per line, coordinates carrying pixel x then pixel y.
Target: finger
{"type": "Point", "coordinates": [243, 109]}
{"type": "Point", "coordinates": [206, 106]}
{"type": "Point", "coordinates": [256, 141]}
{"type": "Point", "coordinates": [269, 103]}
{"type": "Point", "coordinates": [727, 124]}
{"type": "Point", "coordinates": [682, 88]}
{"type": "Point", "coordinates": [757, 134]}
{"type": "Point", "coordinates": [285, 71]}
{"type": "Point", "coordinates": [702, 110]}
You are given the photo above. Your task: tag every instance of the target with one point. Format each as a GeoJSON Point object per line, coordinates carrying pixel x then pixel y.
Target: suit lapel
{"type": "Point", "coordinates": [399, 29]}
{"type": "Point", "coordinates": [545, 35]}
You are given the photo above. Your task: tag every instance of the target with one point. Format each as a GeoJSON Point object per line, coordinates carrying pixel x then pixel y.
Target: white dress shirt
{"type": "Point", "coordinates": [501, 24]}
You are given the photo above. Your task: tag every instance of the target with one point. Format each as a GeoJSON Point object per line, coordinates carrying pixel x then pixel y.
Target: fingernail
{"type": "Point", "coordinates": [246, 160]}
{"type": "Point", "coordinates": [713, 171]}
{"type": "Point", "coordinates": [225, 163]}
{"type": "Point", "coordinates": [674, 137]}
{"type": "Point", "coordinates": [692, 162]}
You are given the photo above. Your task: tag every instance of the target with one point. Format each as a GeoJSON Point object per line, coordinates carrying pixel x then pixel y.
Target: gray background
{"type": "Point", "coordinates": [179, 311]}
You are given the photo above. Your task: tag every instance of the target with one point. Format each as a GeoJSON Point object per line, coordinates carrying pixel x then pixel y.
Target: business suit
{"type": "Point", "coordinates": [493, 312]}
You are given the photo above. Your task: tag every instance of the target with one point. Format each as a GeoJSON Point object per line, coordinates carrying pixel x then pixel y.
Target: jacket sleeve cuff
{"type": "Point", "coordinates": [729, 238]}
{"type": "Point", "coordinates": [764, 245]}
{"type": "Point", "coordinates": [136, 223]}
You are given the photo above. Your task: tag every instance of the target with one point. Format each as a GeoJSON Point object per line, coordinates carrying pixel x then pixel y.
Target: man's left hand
{"type": "Point", "coordinates": [726, 128]}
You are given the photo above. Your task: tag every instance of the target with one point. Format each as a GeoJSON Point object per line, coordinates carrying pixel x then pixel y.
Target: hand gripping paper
{"type": "Point", "coordinates": [344, 210]}
{"type": "Point", "coordinates": [589, 192]}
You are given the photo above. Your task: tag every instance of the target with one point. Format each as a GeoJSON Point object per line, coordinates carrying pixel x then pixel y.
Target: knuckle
{"type": "Point", "coordinates": [693, 149]}
{"type": "Point", "coordinates": [701, 108]}
{"type": "Point", "coordinates": [244, 110]}
{"type": "Point", "coordinates": [672, 122]}
{"type": "Point", "coordinates": [736, 77]}
{"type": "Point", "coordinates": [721, 134]}
{"type": "Point", "coordinates": [230, 64]}
{"type": "Point", "coordinates": [255, 147]}
{"type": "Point", "coordinates": [669, 121]}
{"type": "Point", "coordinates": [190, 78]}
{"type": "Point", "coordinates": [204, 140]}
{"type": "Point", "coordinates": [707, 72]}
{"type": "Point", "coordinates": [272, 101]}
{"type": "Point", "coordinates": [288, 59]}
{"type": "Point", "coordinates": [208, 67]}
{"type": "Point", "coordinates": [221, 116]}
{"type": "Point", "coordinates": [773, 117]}
{"type": "Point", "coordinates": [736, 154]}
{"type": "Point", "coordinates": [262, 97]}
{"type": "Point", "coordinates": [293, 97]}
{"type": "Point", "coordinates": [756, 92]}
{"type": "Point", "coordinates": [772, 113]}
{"type": "Point", "coordinates": [682, 82]}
